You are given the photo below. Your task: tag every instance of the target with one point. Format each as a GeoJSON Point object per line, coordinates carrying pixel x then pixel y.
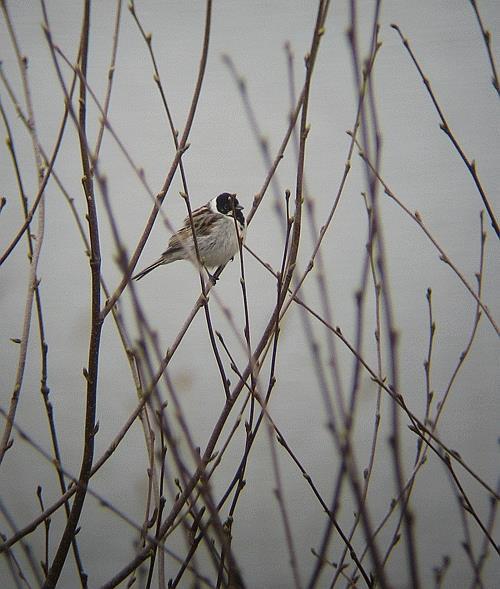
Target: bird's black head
{"type": "Point", "coordinates": [228, 204]}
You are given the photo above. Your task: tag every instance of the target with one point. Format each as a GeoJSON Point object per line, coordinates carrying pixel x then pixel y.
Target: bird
{"type": "Point", "coordinates": [219, 225]}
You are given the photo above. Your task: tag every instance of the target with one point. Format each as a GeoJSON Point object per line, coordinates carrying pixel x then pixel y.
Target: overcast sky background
{"type": "Point", "coordinates": [418, 163]}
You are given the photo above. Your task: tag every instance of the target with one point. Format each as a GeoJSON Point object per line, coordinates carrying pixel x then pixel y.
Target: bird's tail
{"type": "Point", "coordinates": [147, 270]}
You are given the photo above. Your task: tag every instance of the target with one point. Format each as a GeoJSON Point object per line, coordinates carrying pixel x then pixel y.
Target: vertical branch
{"type": "Point", "coordinates": [392, 337]}
{"type": "Point", "coordinates": [6, 442]}
{"type": "Point", "coordinates": [91, 373]}
{"type": "Point", "coordinates": [283, 510]}
{"type": "Point", "coordinates": [487, 41]}
{"type": "Point", "coordinates": [185, 194]}
{"type": "Point", "coordinates": [111, 73]}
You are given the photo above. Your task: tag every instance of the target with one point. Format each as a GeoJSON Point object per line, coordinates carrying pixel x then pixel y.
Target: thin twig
{"type": "Point", "coordinates": [444, 126]}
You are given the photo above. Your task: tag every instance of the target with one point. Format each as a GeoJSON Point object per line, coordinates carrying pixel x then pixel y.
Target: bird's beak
{"type": "Point", "coordinates": [238, 207]}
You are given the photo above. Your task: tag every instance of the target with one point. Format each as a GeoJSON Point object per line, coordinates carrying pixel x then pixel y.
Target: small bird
{"type": "Point", "coordinates": [217, 226]}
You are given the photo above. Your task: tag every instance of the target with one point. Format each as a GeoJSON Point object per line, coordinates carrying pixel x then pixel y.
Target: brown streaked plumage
{"type": "Point", "coordinates": [217, 225]}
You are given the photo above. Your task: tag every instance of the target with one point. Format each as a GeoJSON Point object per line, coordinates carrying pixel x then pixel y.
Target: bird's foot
{"type": "Point", "coordinates": [213, 279]}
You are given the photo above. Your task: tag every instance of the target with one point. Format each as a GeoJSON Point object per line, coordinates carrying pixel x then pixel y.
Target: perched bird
{"type": "Point", "coordinates": [217, 226]}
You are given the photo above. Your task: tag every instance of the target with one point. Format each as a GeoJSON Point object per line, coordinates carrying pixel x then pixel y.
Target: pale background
{"type": "Point", "coordinates": [417, 162]}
